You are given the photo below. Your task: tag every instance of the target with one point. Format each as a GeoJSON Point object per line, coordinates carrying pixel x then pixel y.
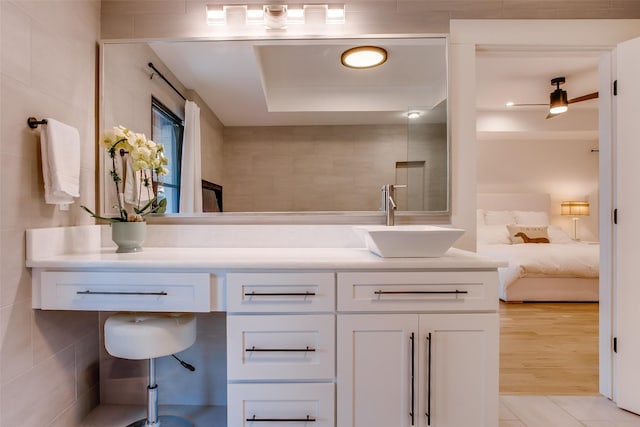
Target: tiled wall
{"type": "Point", "coordinates": [269, 169]}
{"type": "Point", "coordinates": [48, 360]}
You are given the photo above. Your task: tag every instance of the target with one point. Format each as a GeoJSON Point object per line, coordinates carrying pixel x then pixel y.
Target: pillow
{"type": "Point", "coordinates": [531, 217]}
{"type": "Point", "coordinates": [558, 235]}
{"type": "Point", "coordinates": [480, 216]}
{"type": "Point", "coordinates": [528, 233]}
{"type": "Point", "coordinates": [493, 235]}
{"type": "Point", "coordinates": [499, 218]}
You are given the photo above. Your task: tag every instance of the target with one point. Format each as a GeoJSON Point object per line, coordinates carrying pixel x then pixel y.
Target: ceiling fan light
{"type": "Point", "coordinates": [558, 102]}
{"type": "Point", "coordinates": [364, 57]}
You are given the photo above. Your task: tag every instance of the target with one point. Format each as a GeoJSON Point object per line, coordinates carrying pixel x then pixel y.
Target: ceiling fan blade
{"type": "Point", "coordinates": [586, 97]}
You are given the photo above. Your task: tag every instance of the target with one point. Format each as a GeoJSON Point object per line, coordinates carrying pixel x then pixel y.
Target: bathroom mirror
{"type": "Point", "coordinates": [285, 127]}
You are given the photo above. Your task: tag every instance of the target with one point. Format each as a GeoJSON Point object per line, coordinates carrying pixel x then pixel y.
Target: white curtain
{"type": "Point", "coordinates": [190, 176]}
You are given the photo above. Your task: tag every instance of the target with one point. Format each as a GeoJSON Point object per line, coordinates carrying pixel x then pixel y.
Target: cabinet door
{"type": "Point", "coordinates": [458, 370]}
{"type": "Point", "coordinates": [374, 385]}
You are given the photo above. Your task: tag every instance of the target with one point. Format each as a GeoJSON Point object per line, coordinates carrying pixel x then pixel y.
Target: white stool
{"type": "Point", "coordinates": [148, 336]}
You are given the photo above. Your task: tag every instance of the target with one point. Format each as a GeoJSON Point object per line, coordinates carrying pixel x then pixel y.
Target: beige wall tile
{"type": "Point", "coordinates": [16, 356]}
{"type": "Point", "coordinates": [48, 70]}
{"type": "Point", "coordinates": [54, 331]}
{"type": "Point", "coordinates": [15, 278]}
{"type": "Point", "coordinates": [310, 168]}
{"type": "Point", "coordinates": [35, 398]}
{"type": "Point", "coordinates": [16, 44]}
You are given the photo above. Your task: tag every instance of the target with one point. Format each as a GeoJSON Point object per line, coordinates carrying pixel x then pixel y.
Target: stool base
{"type": "Point", "coordinates": [164, 421]}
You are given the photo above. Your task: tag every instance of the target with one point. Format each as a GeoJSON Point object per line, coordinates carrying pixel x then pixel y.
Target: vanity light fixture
{"type": "Point", "coordinates": [335, 14]}
{"type": "Point", "coordinates": [295, 15]}
{"type": "Point", "coordinates": [255, 15]}
{"type": "Point", "coordinates": [216, 15]}
{"type": "Point", "coordinates": [363, 57]}
{"type": "Point", "coordinates": [275, 16]}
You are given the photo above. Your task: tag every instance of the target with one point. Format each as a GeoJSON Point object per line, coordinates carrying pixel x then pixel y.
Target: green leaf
{"type": "Point", "coordinates": [100, 217]}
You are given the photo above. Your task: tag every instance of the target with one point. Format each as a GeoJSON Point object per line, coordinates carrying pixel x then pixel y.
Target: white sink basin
{"type": "Point", "coordinates": [409, 241]}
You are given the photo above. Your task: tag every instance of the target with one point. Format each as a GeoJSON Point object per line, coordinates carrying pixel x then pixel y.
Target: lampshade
{"type": "Point", "coordinates": [364, 57]}
{"type": "Point", "coordinates": [574, 208]}
{"type": "Point", "coordinates": [558, 101]}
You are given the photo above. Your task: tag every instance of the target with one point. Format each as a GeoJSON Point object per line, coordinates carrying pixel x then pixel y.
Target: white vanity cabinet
{"type": "Point", "coordinates": [422, 365]}
{"type": "Point", "coordinates": [281, 348]}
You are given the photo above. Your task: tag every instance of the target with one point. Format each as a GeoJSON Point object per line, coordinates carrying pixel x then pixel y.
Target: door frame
{"type": "Point", "coordinates": [466, 36]}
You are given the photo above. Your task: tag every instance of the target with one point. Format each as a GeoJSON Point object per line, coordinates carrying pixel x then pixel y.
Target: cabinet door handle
{"type": "Point", "coordinates": [413, 388]}
{"type": "Point", "coordinates": [456, 292]}
{"type": "Point", "coordinates": [280, 349]}
{"type": "Point", "coordinates": [279, 294]}
{"type": "Point", "coordinates": [309, 419]}
{"type": "Point", "coordinates": [428, 413]}
{"type": "Point", "coordinates": [89, 292]}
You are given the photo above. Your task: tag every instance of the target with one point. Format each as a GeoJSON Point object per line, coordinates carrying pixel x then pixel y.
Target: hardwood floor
{"type": "Point", "coordinates": [549, 348]}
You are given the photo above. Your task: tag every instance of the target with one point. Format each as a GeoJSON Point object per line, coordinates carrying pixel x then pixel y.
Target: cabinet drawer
{"type": "Point", "coordinates": [251, 405]}
{"type": "Point", "coordinates": [280, 292]}
{"type": "Point", "coordinates": [418, 291]}
{"type": "Point", "coordinates": [112, 291]}
{"type": "Point", "coordinates": [295, 347]}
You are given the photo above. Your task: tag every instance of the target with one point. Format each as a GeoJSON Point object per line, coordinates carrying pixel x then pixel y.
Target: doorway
{"type": "Point", "coordinates": [546, 348]}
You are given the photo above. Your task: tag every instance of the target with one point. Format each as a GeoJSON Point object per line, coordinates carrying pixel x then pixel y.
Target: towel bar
{"type": "Point", "coordinates": [33, 122]}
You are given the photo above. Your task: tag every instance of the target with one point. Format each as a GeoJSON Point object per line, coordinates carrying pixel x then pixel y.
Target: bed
{"type": "Point", "coordinates": [561, 270]}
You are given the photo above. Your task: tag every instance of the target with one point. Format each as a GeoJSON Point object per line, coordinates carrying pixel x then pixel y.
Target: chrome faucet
{"type": "Point", "coordinates": [388, 204]}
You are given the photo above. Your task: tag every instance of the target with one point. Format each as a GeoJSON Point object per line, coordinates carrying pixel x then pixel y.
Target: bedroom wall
{"type": "Point", "coordinates": [566, 169]}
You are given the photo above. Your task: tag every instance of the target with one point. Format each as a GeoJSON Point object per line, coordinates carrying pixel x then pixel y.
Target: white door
{"type": "Point", "coordinates": [458, 370]}
{"type": "Point", "coordinates": [627, 232]}
{"type": "Point", "coordinates": [374, 370]}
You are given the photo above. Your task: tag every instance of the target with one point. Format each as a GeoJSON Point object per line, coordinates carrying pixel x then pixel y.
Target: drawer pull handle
{"type": "Point", "coordinates": [161, 293]}
{"type": "Point", "coordinates": [456, 292]}
{"type": "Point", "coordinates": [307, 348]}
{"type": "Point", "coordinates": [279, 294]}
{"type": "Point", "coordinates": [294, 420]}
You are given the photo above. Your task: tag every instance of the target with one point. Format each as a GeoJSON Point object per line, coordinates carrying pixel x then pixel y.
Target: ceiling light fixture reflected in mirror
{"type": "Point", "coordinates": [364, 57]}
{"type": "Point", "coordinates": [412, 115]}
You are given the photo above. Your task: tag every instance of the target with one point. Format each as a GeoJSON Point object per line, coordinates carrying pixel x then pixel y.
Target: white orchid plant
{"type": "Point", "coordinates": [148, 158]}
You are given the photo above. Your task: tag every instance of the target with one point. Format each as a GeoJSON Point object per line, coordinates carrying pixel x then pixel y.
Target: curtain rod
{"type": "Point", "coordinates": [165, 79]}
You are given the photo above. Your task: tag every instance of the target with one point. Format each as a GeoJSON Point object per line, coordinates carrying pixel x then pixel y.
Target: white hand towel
{"type": "Point", "coordinates": [60, 148]}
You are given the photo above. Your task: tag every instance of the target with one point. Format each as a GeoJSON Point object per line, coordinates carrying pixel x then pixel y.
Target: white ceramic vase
{"type": "Point", "coordinates": [129, 236]}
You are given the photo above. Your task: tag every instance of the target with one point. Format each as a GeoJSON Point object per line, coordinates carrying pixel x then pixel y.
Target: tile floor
{"type": "Point", "coordinates": [515, 411]}
{"type": "Point", "coordinates": [563, 411]}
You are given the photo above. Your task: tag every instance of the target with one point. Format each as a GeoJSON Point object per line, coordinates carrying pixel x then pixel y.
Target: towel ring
{"type": "Point", "coordinates": [33, 122]}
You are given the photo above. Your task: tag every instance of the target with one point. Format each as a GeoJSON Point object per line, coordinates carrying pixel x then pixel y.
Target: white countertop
{"type": "Point", "coordinates": [225, 248]}
{"type": "Point", "coordinates": [259, 258]}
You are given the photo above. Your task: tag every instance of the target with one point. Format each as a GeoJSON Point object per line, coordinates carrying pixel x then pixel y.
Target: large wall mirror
{"type": "Point", "coordinates": [285, 127]}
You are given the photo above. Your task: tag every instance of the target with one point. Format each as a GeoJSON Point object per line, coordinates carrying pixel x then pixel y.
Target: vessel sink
{"type": "Point", "coordinates": [409, 241]}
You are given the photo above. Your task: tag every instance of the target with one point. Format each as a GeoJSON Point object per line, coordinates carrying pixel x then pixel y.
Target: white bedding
{"type": "Point", "coordinates": [556, 260]}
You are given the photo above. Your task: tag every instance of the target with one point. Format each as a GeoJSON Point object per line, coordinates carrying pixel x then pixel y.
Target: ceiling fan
{"type": "Point", "coordinates": [558, 101]}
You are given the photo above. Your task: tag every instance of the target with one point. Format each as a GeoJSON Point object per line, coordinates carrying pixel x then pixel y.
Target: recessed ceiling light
{"type": "Point", "coordinates": [364, 57]}
{"type": "Point", "coordinates": [510, 104]}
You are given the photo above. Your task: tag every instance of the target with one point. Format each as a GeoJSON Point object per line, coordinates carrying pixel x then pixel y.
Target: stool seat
{"type": "Point", "coordinates": [149, 335]}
